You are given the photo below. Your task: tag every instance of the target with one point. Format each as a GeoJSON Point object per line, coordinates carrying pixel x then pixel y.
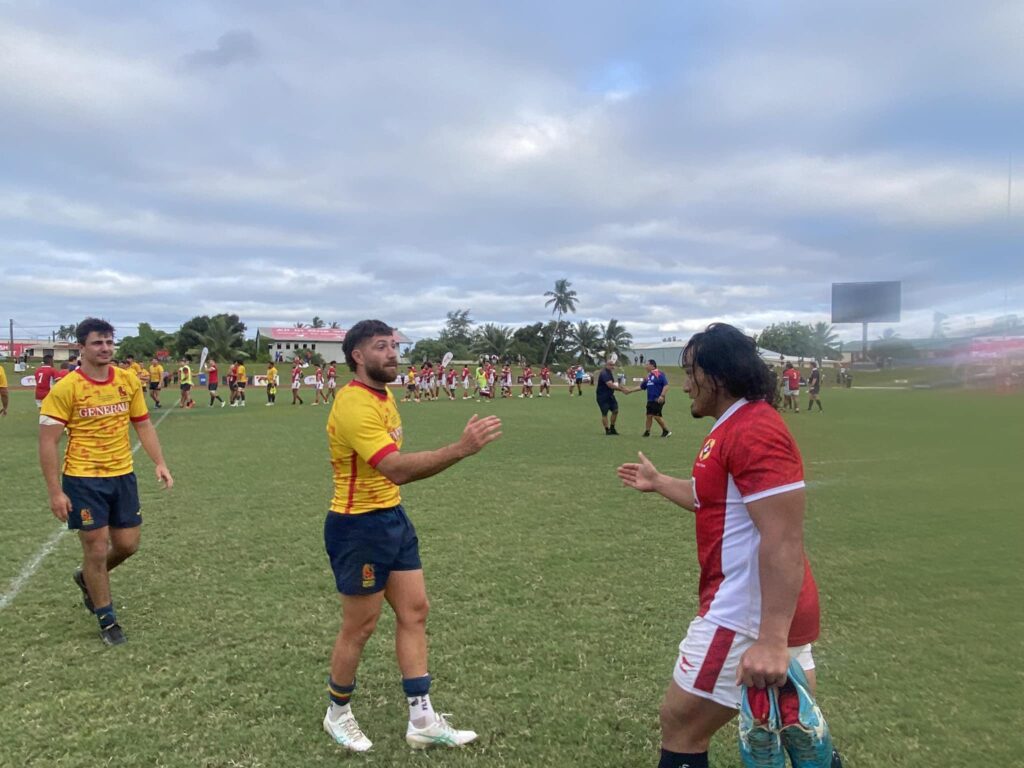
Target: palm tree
{"type": "Point", "coordinates": [561, 300]}
{"type": "Point", "coordinates": [334, 325]}
{"type": "Point", "coordinates": [823, 339]}
{"type": "Point", "coordinates": [888, 335]}
{"type": "Point", "coordinates": [317, 323]}
{"type": "Point", "coordinates": [586, 341]}
{"type": "Point", "coordinates": [223, 342]}
{"type": "Point", "coordinates": [299, 325]}
{"type": "Point", "coordinates": [491, 339]}
{"type": "Point", "coordinates": [616, 337]}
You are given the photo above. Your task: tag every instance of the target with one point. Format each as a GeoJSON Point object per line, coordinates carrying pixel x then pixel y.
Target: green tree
{"type": "Point", "coordinates": [457, 334]}
{"type": "Point", "coordinates": [249, 352]}
{"type": "Point", "coordinates": [888, 335]}
{"type": "Point", "coordinates": [790, 338]}
{"type": "Point", "coordinates": [561, 300]}
{"type": "Point", "coordinates": [616, 338]}
{"type": "Point", "coordinates": [334, 325]}
{"type": "Point", "coordinates": [427, 349]}
{"type": "Point", "coordinates": [824, 340]}
{"type": "Point", "coordinates": [492, 339]}
{"type": "Point", "coordinates": [227, 335]}
{"type": "Point", "coordinates": [529, 342]}
{"type": "Point", "coordinates": [586, 339]}
{"type": "Point", "coordinates": [317, 323]}
{"type": "Point", "coordinates": [66, 333]}
{"type": "Point", "coordinates": [146, 344]}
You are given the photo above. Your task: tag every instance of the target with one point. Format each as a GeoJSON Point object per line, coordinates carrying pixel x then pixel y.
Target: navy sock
{"type": "Point", "coordinates": [416, 686]}
{"type": "Point", "coordinates": [683, 759]}
{"type": "Point", "coordinates": [105, 616]}
{"type": "Point", "coordinates": [340, 694]}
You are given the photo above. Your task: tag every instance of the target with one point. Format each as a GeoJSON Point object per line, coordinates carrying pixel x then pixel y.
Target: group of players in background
{"type": "Point", "coordinates": [430, 382]}
{"type": "Point", "coordinates": [156, 377]}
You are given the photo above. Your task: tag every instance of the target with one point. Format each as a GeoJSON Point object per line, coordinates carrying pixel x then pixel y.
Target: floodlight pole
{"type": "Point", "coordinates": [864, 343]}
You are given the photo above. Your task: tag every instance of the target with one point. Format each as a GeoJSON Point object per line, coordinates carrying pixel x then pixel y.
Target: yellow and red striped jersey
{"type": "Point", "coordinates": [363, 428]}
{"type": "Point", "coordinates": [96, 414]}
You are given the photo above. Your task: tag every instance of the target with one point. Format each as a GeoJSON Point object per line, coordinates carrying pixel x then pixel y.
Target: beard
{"type": "Point", "coordinates": [380, 373]}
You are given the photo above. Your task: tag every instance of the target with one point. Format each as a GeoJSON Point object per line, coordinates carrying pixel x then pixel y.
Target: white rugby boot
{"type": "Point", "coordinates": [437, 733]}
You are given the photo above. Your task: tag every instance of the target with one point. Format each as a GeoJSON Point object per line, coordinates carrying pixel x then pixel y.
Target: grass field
{"type": "Point", "coordinates": [558, 597]}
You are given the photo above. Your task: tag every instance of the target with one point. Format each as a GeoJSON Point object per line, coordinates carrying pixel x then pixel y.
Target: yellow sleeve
{"type": "Point", "coordinates": [3, 377]}
{"type": "Point", "coordinates": [58, 404]}
{"type": "Point", "coordinates": [137, 410]}
{"type": "Point", "coordinates": [362, 428]}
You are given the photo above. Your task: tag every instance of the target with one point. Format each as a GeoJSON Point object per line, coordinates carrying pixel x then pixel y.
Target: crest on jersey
{"type": "Point", "coordinates": [369, 577]}
{"type": "Point", "coordinates": [121, 392]}
{"type": "Point", "coordinates": [706, 450]}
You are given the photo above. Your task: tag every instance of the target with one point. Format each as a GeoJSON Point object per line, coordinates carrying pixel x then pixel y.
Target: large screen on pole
{"type": "Point", "coordinates": [866, 302]}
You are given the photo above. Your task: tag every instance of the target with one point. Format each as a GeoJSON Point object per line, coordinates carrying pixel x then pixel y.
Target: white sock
{"type": "Point", "coordinates": [337, 710]}
{"type": "Point", "coordinates": [421, 712]}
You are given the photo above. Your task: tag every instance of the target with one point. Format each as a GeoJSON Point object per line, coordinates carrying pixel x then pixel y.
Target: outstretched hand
{"type": "Point", "coordinates": [642, 475]}
{"type": "Point", "coordinates": [478, 433]}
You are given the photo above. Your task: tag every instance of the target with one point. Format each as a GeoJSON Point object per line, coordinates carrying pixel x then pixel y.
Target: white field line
{"type": "Point", "coordinates": [32, 565]}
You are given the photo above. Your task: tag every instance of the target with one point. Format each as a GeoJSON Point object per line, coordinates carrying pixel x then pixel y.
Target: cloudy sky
{"type": "Point", "coordinates": [677, 162]}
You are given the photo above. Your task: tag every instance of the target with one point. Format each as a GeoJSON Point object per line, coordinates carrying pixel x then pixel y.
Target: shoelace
{"type": "Point", "coordinates": [442, 720]}
{"type": "Point", "coordinates": [352, 729]}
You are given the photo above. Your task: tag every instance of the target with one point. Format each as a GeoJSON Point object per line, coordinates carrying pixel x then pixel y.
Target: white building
{"type": "Point", "coordinates": [286, 343]}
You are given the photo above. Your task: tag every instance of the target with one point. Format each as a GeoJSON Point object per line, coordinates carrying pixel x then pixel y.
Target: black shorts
{"type": "Point", "coordinates": [240, 385]}
{"type": "Point", "coordinates": [233, 385]}
{"type": "Point", "coordinates": [364, 549]}
{"type": "Point", "coordinates": [97, 502]}
{"type": "Point", "coordinates": [607, 404]}
{"type": "Point", "coordinates": [154, 386]}
{"type": "Point", "coordinates": [815, 390]}
{"type": "Point", "coordinates": [654, 408]}
{"type": "Point", "coordinates": [186, 387]}
{"type": "Point", "coordinates": [212, 386]}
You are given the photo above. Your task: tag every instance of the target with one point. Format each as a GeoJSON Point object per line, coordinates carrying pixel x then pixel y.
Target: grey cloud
{"type": "Point", "coordinates": [233, 46]}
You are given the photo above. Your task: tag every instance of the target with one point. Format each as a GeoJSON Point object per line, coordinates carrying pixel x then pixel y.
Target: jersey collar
{"type": "Point", "coordinates": [380, 393]}
{"type": "Point", "coordinates": [110, 375]}
{"type": "Point", "coordinates": [729, 412]}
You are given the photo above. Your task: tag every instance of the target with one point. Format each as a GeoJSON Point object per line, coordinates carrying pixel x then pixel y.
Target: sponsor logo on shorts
{"type": "Point", "coordinates": [86, 515]}
{"type": "Point", "coordinates": [709, 444]}
{"type": "Point", "coordinates": [686, 665]}
{"type": "Point", "coordinates": [369, 577]}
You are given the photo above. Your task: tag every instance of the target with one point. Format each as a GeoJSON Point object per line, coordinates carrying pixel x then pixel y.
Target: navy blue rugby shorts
{"type": "Point", "coordinates": [364, 549]}
{"type": "Point", "coordinates": [97, 502]}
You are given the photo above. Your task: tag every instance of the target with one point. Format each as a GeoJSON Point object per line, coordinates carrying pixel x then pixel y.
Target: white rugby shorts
{"type": "Point", "coordinates": [296, 384]}
{"type": "Point", "coordinates": [709, 657]}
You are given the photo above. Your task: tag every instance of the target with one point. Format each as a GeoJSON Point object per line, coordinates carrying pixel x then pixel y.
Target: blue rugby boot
{"type": "Point", "coordinates": [804, 732]}
{"type": "Point", "coordinates": [759, 723]}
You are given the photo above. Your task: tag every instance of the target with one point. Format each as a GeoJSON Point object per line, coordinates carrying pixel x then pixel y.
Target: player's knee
{"type": "Point", "coordinates": [95, 548]}
{"type": "Point", "coordinates": [358, 632]}
{"type": "Point", "coordinates": [680, 723]}
{"type": "Point", "coordinates": [414, 614]}
{"type": "Point", "coordinates": [126, 548]}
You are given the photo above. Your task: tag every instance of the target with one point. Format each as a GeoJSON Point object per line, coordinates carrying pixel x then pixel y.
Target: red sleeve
{"type": "Point", "coordinates": [765, 459]}
{"type": "Point", "coordinates": [379, 455]}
